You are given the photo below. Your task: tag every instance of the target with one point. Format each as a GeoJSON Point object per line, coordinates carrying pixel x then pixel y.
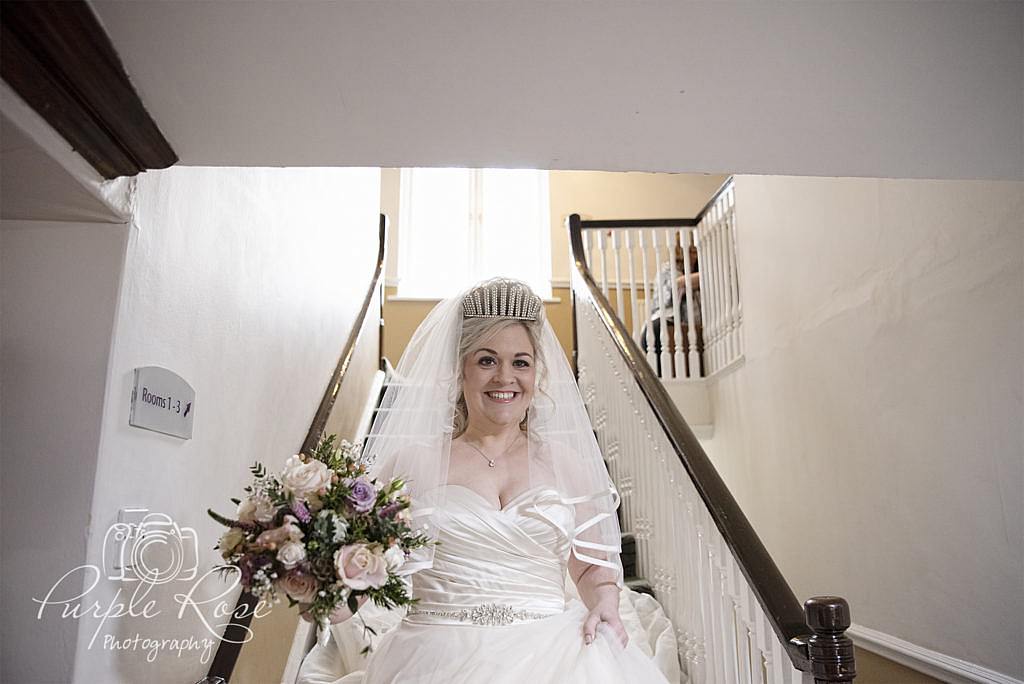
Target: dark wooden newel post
{"type": "Point", "coordinates": [830, 650]}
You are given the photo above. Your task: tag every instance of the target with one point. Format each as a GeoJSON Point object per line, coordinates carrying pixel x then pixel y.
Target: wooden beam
{"type": "Point", "coordinates": [58, 58]}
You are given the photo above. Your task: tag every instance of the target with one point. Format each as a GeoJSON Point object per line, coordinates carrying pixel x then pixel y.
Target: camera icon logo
{"type": "Point", "coordinates": [155, 549]}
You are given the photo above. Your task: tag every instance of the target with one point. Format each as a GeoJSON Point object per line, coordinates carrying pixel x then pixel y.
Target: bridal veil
{"type": "Point", "coordinates": [412, 434]}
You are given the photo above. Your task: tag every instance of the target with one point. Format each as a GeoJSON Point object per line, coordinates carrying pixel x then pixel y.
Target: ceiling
{"type": "Point", "coordinates": [890, 89]}
{"type": "Point", "coordinates": [34, 187]}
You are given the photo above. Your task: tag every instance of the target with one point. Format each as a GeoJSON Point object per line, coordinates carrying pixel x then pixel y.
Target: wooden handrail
{"type": "Point", "coordinates": [230, 646]}
{"type": "Point", "coordinates": [788, 619]}
{"type": "Point", "coordinates": [323, 412]}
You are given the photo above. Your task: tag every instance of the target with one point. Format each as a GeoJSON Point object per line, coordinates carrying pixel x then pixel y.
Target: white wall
{"type": "Point", "coordinates": [887, 89]}
{"type": "Point", "coordinates": [873, 436]}
{"type": "Point", "coordinates": [245, 282]}
{"type": "Point", "coordinates": [59, 287]}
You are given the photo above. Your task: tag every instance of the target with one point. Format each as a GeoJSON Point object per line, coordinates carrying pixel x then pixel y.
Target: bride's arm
{"type": "Point", "coordinates": [340, 614]}
{"type": "Point", "coordinates": [599, 590]}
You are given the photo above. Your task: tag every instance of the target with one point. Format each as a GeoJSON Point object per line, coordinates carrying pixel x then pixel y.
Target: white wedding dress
{"type": "Point", "coordinates": [513, 562]}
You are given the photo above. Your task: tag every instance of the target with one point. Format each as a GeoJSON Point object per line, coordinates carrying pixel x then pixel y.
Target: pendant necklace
{"type": "Point", "coordinates": [490, 461]}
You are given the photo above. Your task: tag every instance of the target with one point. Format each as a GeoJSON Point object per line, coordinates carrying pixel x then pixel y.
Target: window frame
{"type": "Point", "coordinates": [410, 240]}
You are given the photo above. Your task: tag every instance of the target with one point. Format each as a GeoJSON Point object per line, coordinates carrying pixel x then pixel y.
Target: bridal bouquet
{"type": "Point", "coordinates": [321, 533]}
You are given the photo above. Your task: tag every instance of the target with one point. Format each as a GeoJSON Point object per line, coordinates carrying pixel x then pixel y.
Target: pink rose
{"type": "Point", "coordinates": [361, 567]}
{"type": "Point", "coordinates": [299, 586]}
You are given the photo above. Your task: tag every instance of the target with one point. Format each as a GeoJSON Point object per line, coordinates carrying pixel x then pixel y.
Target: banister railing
{"type": "Point", "coordinates": [230, 647]}
{"type": "Point", "coordinates": [736, 617]}
{"type": "Point", "coordinates": [675, 285]}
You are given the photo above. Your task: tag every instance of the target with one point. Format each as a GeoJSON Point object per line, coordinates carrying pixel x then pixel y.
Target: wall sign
{"type": "Point", "coordinates": [163, 402]}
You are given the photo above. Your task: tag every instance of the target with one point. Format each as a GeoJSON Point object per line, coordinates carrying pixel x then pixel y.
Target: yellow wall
{"type": "Point", "coordinates": [402, 317]}
{"type": "Point", "coordinates": [609, 195]}
{"type": "Point", "coordinates": [593, 195]}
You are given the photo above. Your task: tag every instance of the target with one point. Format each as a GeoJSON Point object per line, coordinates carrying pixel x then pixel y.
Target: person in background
{"type": "Point", "coordinates": [666, 312]}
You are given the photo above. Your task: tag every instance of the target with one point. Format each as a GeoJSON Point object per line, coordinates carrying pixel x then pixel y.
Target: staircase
{"type": "Point", "coordinates": [736, 618]}
{"type": "Point", "coordinates": [685, 540]}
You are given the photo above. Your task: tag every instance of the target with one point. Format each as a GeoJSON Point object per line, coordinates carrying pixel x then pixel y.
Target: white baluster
{"type": "Point", "coordinates": [712, 655]}
{"type": "Point", "coordinates": [619, 308]}
{"type": "Point", "coordinates": [723, 284]}
{"type": "Point", "coordinates": [691, 597]}
{"type": "Point", "coordinates": [726, 277]}
{"type": "Point", "coordinates": [735, 333]}
{"type": "Point", "coordinates": [765, 639]}
{"type": "Point", "coordinates": [739, 300]}
{"type": "Point", "coordinates": [634, 319]}
{"type": "Point", "coordinates": [643, 520]}
{"type": "Point", "coordinates": [604, 263]}
{"type": "Point", "coordinates": [729, 618]}
{"type": "Point", "coordinates": [717, 592]}
{"type": "Point", "coordinates": [728, 271]}
{"type": "Point", "coordinates": [678, 360]}
{"type": "Point", "coordinates": [648, 299]}
{"type": "Point", "coordinates": [707, 289]}
{"type": "Point", "coordinates": [775, 656]}
{"type": "Point", "coordinates": [662, 305]}
{"type": "Point", "coordinates": [586, 251]}
{"type": "Point", "coordinates": [693, 358]}
{"type": "Point", "coordinates": [750, 622]}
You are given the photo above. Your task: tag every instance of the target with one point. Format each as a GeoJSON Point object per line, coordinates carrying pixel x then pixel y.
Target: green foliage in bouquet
{"type": "Point", "coordinates": [321, 533]}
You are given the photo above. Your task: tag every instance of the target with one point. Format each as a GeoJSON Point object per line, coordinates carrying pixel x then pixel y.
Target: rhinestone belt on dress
{"type": "Point", "coordinates": [484, 614]}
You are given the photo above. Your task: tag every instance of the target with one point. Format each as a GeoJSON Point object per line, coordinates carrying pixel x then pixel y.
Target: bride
{"type": "Point", "coordinates": [486, 425]}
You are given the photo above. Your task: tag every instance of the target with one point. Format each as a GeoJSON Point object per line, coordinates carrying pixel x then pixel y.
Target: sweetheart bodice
{"type": "Point", "coordinates": [515, 555]}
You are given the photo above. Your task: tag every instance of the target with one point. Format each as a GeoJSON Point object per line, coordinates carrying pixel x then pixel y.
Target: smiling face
{"type": "Point", "coordinates": [498, 378]}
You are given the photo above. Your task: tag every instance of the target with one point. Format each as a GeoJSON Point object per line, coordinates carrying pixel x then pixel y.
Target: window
{"type": "Point", "coordinates": [460, 226]}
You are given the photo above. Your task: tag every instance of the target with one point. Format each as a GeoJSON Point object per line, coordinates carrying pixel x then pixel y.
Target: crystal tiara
{"type": "Point", "coordinates": [502, 298]}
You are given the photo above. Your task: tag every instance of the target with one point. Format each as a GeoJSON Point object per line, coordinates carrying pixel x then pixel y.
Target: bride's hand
{"type": "Point", "coordinates": [606, 611]}
{"type": "Point", "coordinates": [340, 614]}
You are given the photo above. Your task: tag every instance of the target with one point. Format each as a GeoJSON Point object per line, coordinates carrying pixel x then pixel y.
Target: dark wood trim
{"type": "Point", "coordinates": [776, 597]}
{"type": "Point", "coordinates": [58, 58]}
{"type": "Point", "coordinates": [229, 649]}
{"type": "Point", "coordinates": [381, 294]}
{"type": "Point", "coordinates": [832, 656]}
{"type": "Point", "coordinates": [638, 223]}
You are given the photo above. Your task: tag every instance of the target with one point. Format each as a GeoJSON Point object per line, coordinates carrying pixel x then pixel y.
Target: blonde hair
{"type": "Point", "coordinates": [474, 332]}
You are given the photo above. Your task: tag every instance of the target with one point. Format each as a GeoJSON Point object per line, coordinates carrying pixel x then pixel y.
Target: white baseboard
{"type": "Point", "coordinates": [938, 665]}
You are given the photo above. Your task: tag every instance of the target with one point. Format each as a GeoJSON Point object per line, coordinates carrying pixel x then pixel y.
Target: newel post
{"type": "Point", "coordinates": [830, 650]}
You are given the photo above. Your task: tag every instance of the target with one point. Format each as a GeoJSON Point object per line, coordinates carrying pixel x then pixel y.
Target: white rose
{"type": "Point", "coordinates": [361, 567]}
{"type": "Point", "coordinates": [256, 508]}
{"type": "Point", "coordinates": [394, 557]}
{"type": "Point", "coordinates": [303, 479]}
{"type": "Point", "coordinates": [291, 554]}
{"type": "Point", "coordinates": [230, 540]}
{"type": "Point", "coordinates": [340, 528]}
